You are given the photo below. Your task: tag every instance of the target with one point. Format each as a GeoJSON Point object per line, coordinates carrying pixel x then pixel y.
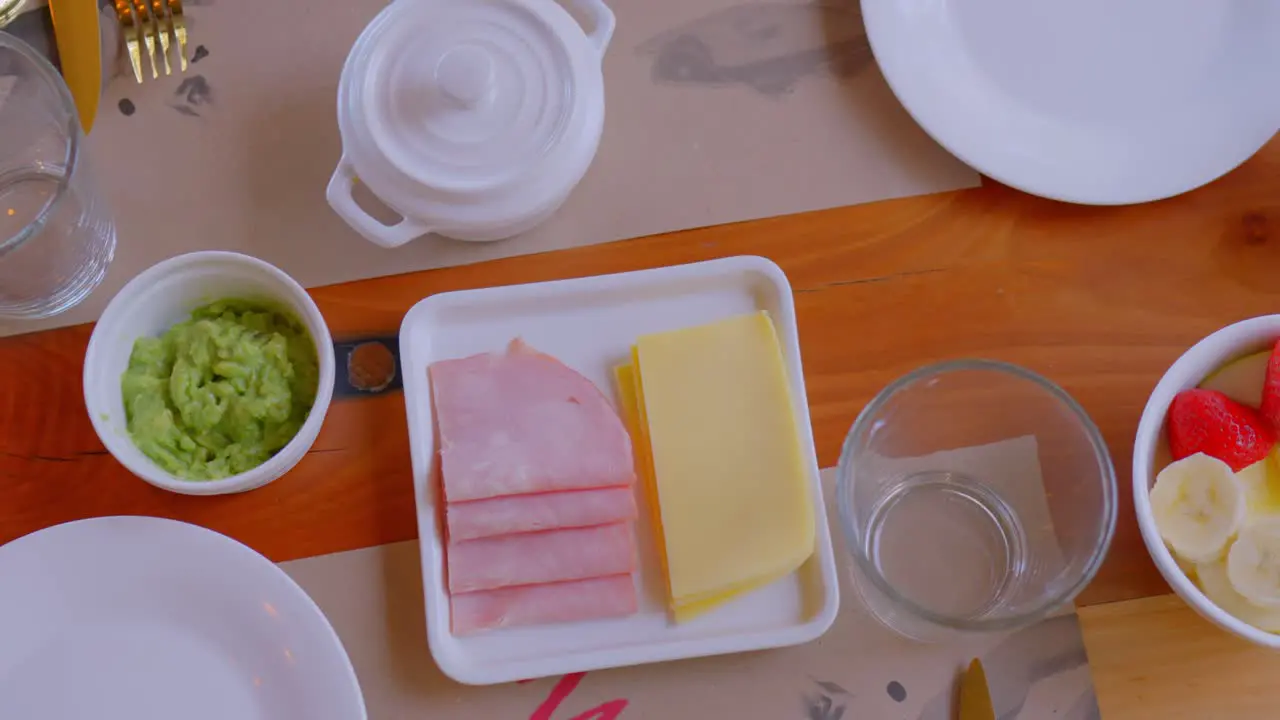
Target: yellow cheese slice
{"type": "Point", "coordinates": [633, 414]}
{"type": "Point", "coordinates": [728, 472]}
{"type": "Point", "coordinates": [690, 609]}
{"type": "Point", "coordinates": [631, 394]}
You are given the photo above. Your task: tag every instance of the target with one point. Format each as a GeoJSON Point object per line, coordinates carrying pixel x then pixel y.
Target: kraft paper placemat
{"type": "Point", "coordinates": [373, 598]}
{"type": "Point", "coordinates": [718, 111]}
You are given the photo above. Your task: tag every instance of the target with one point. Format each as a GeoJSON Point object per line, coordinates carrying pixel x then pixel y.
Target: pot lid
{"type": "Point", "coordinates": [446, 104]}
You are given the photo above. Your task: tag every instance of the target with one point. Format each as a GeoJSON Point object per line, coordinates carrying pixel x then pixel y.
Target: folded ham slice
{"type": "Point", "coordinates": [613, 596]}
{"type": "Point", "coordinates": [543, 511]}
{"type": "Point", "coordinates": [523, 422]}
{"type": "Point", "coordinates": [542, 557]}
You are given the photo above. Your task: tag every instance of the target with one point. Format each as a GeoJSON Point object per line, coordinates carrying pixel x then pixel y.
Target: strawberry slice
{"type": "Point", "coordinates": [1209, 422]}
{"type": "Point", "coordinates": [1271, 389]}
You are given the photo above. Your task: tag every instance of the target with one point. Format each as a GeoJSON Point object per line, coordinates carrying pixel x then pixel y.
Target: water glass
{"type": "Point", "coordinates": [974, 496]}
{"type": "Point", "coordinates": [56, 233]}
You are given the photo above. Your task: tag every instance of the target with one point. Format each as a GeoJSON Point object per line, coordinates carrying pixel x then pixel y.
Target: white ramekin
{"type": "Point", "coordinates": [165, 295]}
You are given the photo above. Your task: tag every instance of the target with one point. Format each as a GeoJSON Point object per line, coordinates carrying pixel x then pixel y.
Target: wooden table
{"type": "Point", "coordinates": [1101, 300]}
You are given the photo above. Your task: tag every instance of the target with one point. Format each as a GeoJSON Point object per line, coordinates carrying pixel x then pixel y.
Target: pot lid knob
{"type": "Point", "coordinates": [465, 75]}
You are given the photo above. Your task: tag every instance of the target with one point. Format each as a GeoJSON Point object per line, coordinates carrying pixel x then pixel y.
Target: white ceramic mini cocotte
{"type": "Point", "coordinates": [1151, 454]}
{"type": "Point", "coordinates": [159, 298]}
{"type": "Point", "coordinates": [473, 120]}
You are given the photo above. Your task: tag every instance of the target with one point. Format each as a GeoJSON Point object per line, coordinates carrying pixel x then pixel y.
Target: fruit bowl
{"type": "Point", "coordinates": [1233, 362]}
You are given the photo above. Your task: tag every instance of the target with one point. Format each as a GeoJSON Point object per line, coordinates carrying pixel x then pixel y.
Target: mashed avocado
{"type": "Point", "coordinates": [220, 393]}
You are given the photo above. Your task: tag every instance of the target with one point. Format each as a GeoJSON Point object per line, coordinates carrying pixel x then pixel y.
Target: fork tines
{"type": "Point", "coordinates": [148, 23]}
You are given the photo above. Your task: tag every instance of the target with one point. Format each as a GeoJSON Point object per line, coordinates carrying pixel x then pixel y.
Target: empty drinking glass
{"type": "Point", "coordinates": [974, 496]}
{"type": "Point", "coordinates": [56, 234]}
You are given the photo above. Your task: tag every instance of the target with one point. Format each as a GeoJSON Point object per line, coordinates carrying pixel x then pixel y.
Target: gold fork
{"type": "Point", "coordinates": [146, 23]}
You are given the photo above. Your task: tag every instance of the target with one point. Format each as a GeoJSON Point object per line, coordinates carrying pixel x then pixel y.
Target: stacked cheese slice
{"type": "Point", "coordinates": [537, 475]}
{"type": "Point", "coordinates": [717, 440]}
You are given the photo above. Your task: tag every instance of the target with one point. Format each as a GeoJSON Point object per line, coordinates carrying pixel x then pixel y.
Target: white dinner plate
{"type": "Point", "coordinates": [1089, 101]}
{"type": "Point", "coordinates": [136, 618]}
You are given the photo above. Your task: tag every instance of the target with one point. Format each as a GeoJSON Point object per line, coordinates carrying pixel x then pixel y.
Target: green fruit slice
{"type": "Point", "coordinates": [1241, 379]}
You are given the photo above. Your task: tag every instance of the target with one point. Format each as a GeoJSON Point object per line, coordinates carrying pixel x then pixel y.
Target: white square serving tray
{"type": "Point", "coordinates": [590, 325]}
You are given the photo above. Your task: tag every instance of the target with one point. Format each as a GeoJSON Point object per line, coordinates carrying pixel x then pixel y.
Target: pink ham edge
{"type": "Point", "coordinates": [543, 557]}
{"type": "Point", "coordinates": [544, 511]}
{"type": "Point", "coordinates": [604, 597]}
{"type": "Point", "coordinates": [523, 422]}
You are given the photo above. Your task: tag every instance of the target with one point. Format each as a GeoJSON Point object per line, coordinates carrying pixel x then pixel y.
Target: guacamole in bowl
{"type": "Point", "coordinates": [221, 393]}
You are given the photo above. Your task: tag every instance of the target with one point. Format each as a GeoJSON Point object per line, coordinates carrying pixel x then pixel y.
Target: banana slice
{"type": "Point", "coordinates": [1198, 505]}
{"type": "Point", "coordinates": [1253, 563]}
{"type": "Point", "coordinates": [1213, 581]}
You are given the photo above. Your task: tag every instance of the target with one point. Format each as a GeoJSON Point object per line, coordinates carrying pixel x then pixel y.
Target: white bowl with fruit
{"type": "Point", "coordinates": [1206, 478]}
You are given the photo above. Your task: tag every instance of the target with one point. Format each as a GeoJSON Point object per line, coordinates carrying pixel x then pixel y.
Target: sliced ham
{"type": "Point", "coordinates": [613, 596]}
{"type": "Point", "coordinates": [523, 422]}
{"type": "Point", "coordinates": [543, 557]}
{"type": "Point", "coordinates": [543, 511]}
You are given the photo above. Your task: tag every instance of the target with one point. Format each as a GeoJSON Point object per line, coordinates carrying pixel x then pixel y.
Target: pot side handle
{"type": "Point", "coordinates": [343, 202]}
{"type": "Point", "coordinates": [602, 22]}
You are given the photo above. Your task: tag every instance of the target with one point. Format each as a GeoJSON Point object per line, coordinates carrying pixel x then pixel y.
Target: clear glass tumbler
{"type": "Point", "coordinates": [56, 233]}
{"type": "Point", "coordinates": [974, 496]}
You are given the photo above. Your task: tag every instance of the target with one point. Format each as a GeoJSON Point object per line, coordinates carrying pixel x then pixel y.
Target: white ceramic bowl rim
{"type": "Point", "coordinates": [277, 464]}
{"type": "Point", "coordinates": [1188, 371]}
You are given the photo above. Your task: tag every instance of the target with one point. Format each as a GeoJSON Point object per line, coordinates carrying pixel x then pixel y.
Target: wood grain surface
{"type": "Point", "coordinates": [1156, 658]}
{"type": "Point", "coordinates": [1101, 300]}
